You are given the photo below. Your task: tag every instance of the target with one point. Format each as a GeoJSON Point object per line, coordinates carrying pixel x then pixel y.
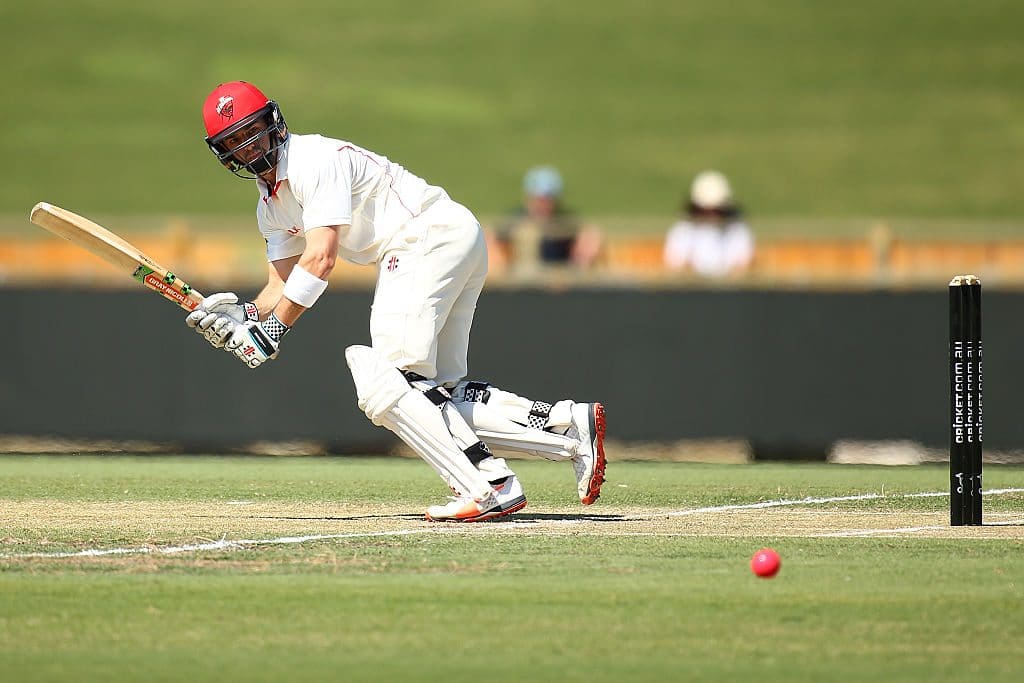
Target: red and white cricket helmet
{"type": "Point", "coordinates": [232, 107]}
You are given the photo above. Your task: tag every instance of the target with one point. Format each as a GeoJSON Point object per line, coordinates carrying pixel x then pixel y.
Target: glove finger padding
{"type": "Point", "coordinates": [218, 332]}
{"type": "Point", "coordinates": [195, 317]}
{"type": "Point", "coordinates": [207, 321]}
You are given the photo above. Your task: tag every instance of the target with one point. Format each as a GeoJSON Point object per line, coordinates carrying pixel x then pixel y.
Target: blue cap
{"type": "Point", "coordinates": [543, 181]}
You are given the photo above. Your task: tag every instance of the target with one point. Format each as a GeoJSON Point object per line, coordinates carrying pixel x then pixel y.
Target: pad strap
{"type": "Point", "coordinates": [438, 395]}
{"type": "Point", "coordinates": [539, 413]}
{"type": "Point", "coordinates": [476, 392]}
{"type": "Point", "coordinates": [477, 452]}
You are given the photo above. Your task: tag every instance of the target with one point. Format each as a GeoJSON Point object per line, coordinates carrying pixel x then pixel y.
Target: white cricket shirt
{"type": "Point", "coordinates": [708, 249]}
{"type": "Point", "coordinates": [322, 181]}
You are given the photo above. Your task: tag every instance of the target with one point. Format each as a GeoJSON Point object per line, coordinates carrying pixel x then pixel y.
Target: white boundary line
{"type": "Point", "coordinates": [285, 540]}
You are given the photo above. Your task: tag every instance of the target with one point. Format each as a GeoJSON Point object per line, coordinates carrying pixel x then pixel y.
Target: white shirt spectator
{"type": "Point", "coordinates": [709, 249]}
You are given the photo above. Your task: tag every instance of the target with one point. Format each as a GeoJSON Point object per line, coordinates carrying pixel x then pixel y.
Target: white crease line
{"type": "Point", "coordinates": [908, 529]}
{"type": "Point", "coordinates": [995, 492]}
{"type": "Point", "coordinates": [214, 545]}
{"type": "Point", "coordinates": [821, 501]}
{"type": "Point", "coordinates": [774, 504]}
{"type": "Point", "coordinates": [880, 532]}
{"type": "Point", "coordinates": [1006, 522]}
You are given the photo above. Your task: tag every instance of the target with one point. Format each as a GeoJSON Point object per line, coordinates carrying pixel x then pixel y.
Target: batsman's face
{"type": "Point", "coordinates": [540, 206]}
{"type": "Point", "coordinates": [248, 143]}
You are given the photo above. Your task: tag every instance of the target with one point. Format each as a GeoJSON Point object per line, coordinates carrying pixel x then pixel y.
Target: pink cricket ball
{"type": "Point", "coordinates": [765, 563]}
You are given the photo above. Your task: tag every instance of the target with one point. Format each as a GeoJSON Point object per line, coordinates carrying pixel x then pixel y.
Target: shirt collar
{"type": "Point", "coordinates": [281, 171]}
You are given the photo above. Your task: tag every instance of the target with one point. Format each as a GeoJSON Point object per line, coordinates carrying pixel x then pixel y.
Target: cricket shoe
{"type": "Point", "coordinates": [507, 498]}
{"type": "Point", "coordinates": [588, 425]}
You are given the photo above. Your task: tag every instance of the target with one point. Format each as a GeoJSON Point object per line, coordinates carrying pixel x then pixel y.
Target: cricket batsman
{"type": "Point", "coordinates": [321, 198]}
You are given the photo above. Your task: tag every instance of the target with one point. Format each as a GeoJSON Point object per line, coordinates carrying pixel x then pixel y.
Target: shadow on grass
{"type": "Point", "coordinates": [316, 518]}
{"type": "Point", "coordinates": [531, 517]}
{"type": "Point", "coordinates": [518, 518]}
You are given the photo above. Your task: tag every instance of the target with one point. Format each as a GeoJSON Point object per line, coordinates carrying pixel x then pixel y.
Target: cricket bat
{"type": "Point", "coordinates": [116, 251]}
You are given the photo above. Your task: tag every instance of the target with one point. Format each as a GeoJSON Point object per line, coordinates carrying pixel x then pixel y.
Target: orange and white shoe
{"type": "Point", "coordinates": [508, 498]}
{"type": "Point", "coordinates": [588, 425]}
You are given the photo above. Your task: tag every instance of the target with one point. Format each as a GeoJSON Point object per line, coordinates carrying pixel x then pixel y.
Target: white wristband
{"type": "Point", "coordinates": [303, 287]}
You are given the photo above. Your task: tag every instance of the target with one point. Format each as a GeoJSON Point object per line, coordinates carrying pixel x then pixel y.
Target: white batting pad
{"type": "Point", "coordinates": [502, 422]}
{"type": "Point", "coordinates": [389, 401]}
{"type": "Point", "coordinates": [464, 434]}
{"type": "Point", "coordinates": [494, 469]}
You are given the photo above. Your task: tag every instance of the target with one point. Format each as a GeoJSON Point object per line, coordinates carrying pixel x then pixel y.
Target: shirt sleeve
{"type": "Point", "coordinates": [324, 189]}
{"type": "Point", "coordinates": [280, 244]}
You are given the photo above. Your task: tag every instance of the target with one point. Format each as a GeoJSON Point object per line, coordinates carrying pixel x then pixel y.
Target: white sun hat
{"type": "Point", "coordinates": [711, 190]}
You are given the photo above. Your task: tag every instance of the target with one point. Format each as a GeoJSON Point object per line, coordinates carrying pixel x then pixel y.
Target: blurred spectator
{"type": "Point", "coordinates": [543, 231]}
{"type": "Point", "coordinates": [711, 239]}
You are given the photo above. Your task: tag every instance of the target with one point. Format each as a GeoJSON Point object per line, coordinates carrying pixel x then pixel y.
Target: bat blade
{"type": "Point", "coordinates": [116, 251]}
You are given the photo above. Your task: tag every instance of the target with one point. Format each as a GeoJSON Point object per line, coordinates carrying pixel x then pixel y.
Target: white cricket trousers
{"type": "Point", "coordinates": [429, 280]}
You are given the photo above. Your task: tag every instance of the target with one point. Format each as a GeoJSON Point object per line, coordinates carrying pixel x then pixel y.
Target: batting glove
{"type": "Point", "coordinates": [255, 343]}
{"type": "Point", "coordinates": [215, 319]}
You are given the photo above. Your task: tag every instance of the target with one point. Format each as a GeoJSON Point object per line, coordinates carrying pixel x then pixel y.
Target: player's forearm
{"type": "Point", "coordinates": [267, 300]}
{"type": "Point", "coordinates": [319, 263]}
{"type": "Point", "coordinates": [270, 300]}
{"type": "Point", "coordinates": [321, 251]}
{"type": "Point", "coordinates": [317, 266]}
{"type": "Point", "coordinates": [287, 311]}
{"type": "Point", "coordinates": [307, 279]}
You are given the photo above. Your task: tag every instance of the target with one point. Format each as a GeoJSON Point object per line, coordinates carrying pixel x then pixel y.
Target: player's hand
{"type": "Point", "coordinates": [255, 343]}
{"type": "Point", "coordinates": [215, 319]}
{"type": "Point", "coordinates": [219, 330]}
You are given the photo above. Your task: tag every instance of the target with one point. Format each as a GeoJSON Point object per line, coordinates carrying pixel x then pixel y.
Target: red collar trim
{"type": "Point", "coordinates": [273, 192]}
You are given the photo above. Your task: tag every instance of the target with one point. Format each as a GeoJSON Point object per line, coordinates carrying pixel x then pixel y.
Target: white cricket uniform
{"type": "Point", "coordinates": [429, 250]}
{"type": "Point", "coordinates": [708, 249]}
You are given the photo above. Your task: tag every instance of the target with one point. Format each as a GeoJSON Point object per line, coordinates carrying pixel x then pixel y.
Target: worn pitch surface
{"type": "Point", "coordinates": [42, 528]}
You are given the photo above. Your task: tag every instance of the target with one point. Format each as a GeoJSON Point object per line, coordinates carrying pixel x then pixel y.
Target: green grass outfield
{"type": "Point", "coordinates": [880, 109]}
{"type": "Point", "coordinates": [270, 569]}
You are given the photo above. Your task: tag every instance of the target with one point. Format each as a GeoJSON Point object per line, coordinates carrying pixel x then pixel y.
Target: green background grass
{"type": "Point", "coordinates": [881, 109]}
{"type": "Point", "coordinates": [449, 606]}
